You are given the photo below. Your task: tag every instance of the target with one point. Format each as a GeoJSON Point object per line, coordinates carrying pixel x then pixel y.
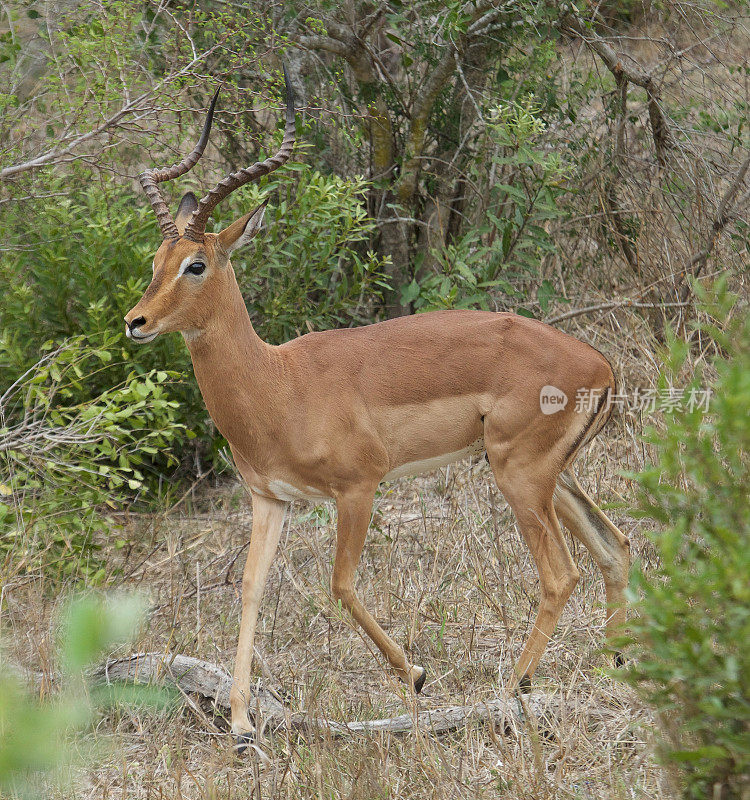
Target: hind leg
{"type": "Point", "coordinates": [528, 486]}
{"type": "Point", "coordinates": [608, 545]}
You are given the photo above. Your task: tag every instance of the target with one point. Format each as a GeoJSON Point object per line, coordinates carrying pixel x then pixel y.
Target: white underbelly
{"type": "Point", "coordinates": [428, 464]}
{"type": "Point", "coordinates": [281, 490]}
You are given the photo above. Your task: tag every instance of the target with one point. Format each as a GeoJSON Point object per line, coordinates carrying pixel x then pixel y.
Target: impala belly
{"type": "Point", "coordinates": [428, 464]}
{"type": "Point", "coordinates": [281, 490]}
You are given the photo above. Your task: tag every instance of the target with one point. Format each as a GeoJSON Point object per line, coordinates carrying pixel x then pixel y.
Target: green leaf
{"type": "Point", "coordinates": [90, 626]}
{"type": "Point", "coordinates": [410, 292]}
{"type": "Point", "coordinates": [545, 293]}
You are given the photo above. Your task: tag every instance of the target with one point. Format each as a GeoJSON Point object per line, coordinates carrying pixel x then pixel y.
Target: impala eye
{"type": "Point", "coordinates": [196, 268]}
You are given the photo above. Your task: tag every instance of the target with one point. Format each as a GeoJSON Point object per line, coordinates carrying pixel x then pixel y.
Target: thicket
{"type": "Point", "coordinates": [691, 635]}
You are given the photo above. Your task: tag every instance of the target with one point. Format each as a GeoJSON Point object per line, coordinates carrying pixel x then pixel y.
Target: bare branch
{"type": "Point", "coordinates": [62, 153]}
{"type": "Point", "coordinates": [633, 73]}
{"type": "Point", "coordinates": [577, 312]}
{"type": "Point", "coordinates": [725, 213]}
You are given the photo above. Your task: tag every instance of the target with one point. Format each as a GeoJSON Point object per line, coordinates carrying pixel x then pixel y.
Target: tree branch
{"type": "Point", "coordinates": [318, 42]}
{"type": "Point", "coordinates": [577, 312]}
{"type": "Point", "coordinates": [660, 129]}
{"type": "Point", "coordinates": [60, 153]}
{"type": "Point", "coordinates": [724, 214]}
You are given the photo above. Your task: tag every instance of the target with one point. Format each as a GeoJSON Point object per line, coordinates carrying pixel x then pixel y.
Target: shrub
{"type": "Point", "coordinates": [74, 273]}
{"type": "Point", "coordinates": [691, 639]}
{"type": "Point", "coordinates": [494, 265]}
{"type": "Point", "coordinates": [311, 269]}
{"type": "Point", "coordinates": [64, 464]}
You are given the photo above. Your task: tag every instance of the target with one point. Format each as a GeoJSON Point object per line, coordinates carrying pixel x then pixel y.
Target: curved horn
{"type": "Point", "coordinates": [151, 177]}
{"type": "Point", "coordinates": [196, 227]}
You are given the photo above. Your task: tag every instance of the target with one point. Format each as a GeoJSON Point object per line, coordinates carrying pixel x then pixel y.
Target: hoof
{"type": "Point", "coordinates": [242, 741]}
{"type": "Point", "coordinates": [619, 659]}
{"type": "Point", "coordinates": [419, 682]}
{"type": "Point", "coordinates": [416, 683]}
{"type": "Point", "coordinates": [524, 685]}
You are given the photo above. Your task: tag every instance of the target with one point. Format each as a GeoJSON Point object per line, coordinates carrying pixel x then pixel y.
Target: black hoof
{"type": "Point", "coordinates": [419, 683]}
{"type": "Point", "coordinates": [619, 659]}
{"type": "Point", "coordinates": [242, 741]}
{"type": "Point", "coordinates": [524, 684]}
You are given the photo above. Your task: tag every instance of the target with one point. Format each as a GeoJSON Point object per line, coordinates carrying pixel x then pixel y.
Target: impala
{"type": "Point", "coordinates": [332, 414]}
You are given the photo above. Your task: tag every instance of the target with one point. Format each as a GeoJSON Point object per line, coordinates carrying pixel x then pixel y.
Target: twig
{"type": "Point", "coordinates": [577, 312]}
{"type": "Point", "coordinates": [724, 215]}
{"type": "Point", "coordinates": [62, 153]}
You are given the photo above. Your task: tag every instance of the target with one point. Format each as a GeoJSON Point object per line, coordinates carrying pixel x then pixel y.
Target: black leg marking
{"type": "Point", "coordinates": [525, 684]}
{"type": "Point", "coordinates": [619, 659]}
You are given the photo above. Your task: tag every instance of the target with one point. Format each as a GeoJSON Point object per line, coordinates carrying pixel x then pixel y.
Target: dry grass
{"type": "Point", "coordinates": [446, 573]}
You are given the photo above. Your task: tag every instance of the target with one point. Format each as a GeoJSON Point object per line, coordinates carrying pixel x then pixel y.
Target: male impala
{"type": "Point", "coordinates": [332, 414]}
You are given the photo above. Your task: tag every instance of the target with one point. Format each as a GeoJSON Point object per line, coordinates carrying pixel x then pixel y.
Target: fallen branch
{"type": "Point", "coordinates": [502, 713]}
{"type": "Point", "coordinates": [194, 676]}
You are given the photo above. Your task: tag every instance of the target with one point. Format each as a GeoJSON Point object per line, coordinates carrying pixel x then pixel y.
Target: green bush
{"type": "Point", "coordinates": [495, 264]}
{"type": "Point", "coordinates": [312, 268]}
{"type": "Point", "coordinates": [75, 273]}
{"type": "Point", "coordinates": [691, 639]}
{"type": "Point", "coordinates": [65, 463]}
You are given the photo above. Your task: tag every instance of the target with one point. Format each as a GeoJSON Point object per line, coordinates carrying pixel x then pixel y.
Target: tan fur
{"type": "Point", "coordinates": [330, 414]}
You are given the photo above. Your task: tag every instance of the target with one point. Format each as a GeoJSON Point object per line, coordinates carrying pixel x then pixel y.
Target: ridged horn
{"type": "Point", "coordinates": [196, 227]}
{"type": "Point", "coordinates": [151, 177]}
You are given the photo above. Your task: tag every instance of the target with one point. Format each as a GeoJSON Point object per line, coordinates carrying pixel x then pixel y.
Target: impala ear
{"type": "Point", "coordinates": [242, 230]}
{"type": "Point", "coordinates": [188, 204]}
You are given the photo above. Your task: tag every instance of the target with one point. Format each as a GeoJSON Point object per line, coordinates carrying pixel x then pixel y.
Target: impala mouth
{"type": "Point", "coordinates": [140, 338]}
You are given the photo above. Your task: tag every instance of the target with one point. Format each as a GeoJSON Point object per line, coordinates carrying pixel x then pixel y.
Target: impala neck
{"type": "Point", "coordinates": [232, 364]}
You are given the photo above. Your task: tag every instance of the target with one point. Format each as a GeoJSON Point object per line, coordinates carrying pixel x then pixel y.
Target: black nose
{"type": "Point", "coordinates": [137, 322]}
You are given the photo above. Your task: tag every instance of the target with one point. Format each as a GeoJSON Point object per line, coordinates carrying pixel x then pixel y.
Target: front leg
{"type": "Point", "coordinates": [268, 520]}
{"type": "Point", "coordinates": [354, 511]}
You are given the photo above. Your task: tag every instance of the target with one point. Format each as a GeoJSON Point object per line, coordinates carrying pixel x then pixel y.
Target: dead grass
{"type": "Point", "coordinates": [446, 573]}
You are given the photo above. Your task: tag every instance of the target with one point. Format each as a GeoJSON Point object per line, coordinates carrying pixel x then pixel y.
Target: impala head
{"type": "Point", "coordinates": [192, 278]}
